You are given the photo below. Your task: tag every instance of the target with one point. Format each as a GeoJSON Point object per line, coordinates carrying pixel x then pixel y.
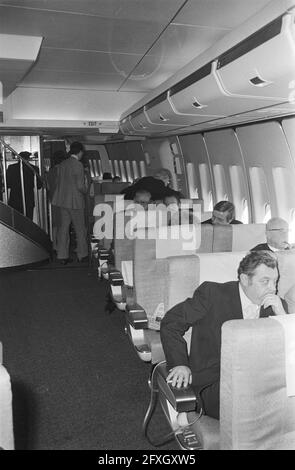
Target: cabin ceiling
{"type": "Point", "coordinates": [118, 45]}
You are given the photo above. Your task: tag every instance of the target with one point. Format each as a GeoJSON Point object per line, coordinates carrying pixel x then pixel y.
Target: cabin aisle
{"type": "Point", "coordinates": [77, 383]}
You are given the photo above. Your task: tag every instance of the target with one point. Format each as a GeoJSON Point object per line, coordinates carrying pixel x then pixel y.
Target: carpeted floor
{"type": "Point", "coordinates": [77, 383]}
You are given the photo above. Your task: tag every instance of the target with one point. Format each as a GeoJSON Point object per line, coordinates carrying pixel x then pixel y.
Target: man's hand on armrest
{"type": "Point", "coordinates": [179, 376]}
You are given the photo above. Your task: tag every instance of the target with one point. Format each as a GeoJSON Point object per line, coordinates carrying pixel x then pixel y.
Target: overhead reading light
{"type": "Point", "coordinates": [257, 81]}
{"type": "Point", "coordinates": [198, 105]}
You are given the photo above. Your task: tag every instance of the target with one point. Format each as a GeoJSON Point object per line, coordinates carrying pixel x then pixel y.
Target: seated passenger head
{"type": "Point", "coordinates": [25, 155]}
{"type": "Point", "coordinates": [106, 176]}
{"type": "Point", "coordinates": [116, 179]}
{"type": "Point", "coordinates": [77, 149]}
{"type": "Point", "coordinates": [223, 213]}
{"type": "Point", "coordinates": [290, 299]}
{"type": "Point", "coordinates": [142, 197]}
{"type": "Point", "coordinates": [277, 231]}
{"type": "Point", "coordinates": [172, 201]}
{"type": "Point", "coordinates": [163, 175]}
{"type": "Point", "coordinates": [258, 275]}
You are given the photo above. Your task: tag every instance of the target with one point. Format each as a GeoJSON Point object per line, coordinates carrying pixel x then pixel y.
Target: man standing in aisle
{"type": "Point", "coordinates": [70, 197]}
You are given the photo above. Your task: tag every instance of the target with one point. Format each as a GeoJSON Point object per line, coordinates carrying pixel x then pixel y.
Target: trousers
{"type": "Point", "coordinates": [77, 217]}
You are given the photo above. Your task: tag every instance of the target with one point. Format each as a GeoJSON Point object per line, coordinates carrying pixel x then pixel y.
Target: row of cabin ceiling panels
{"type": "Point", "coordinates": [253, 166]}
{"type": "Point", "coordinates": [251, 78]}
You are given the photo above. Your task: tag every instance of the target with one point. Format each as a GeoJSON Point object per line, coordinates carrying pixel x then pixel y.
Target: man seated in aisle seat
{"type": "Point", "coordinates": [290, 299]}
{"type": "Point", "coordinates": [253, 296]}
{"type": "Point", "coordinates": [277, 231]}
{"type": "Point", "coordinates": [223, 214]}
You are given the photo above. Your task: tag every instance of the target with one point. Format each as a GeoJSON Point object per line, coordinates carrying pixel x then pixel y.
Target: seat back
{"type": "Point", "coordinates": [247, 236]}
{"type": "Point", "coordinates": [129, 225]}
{"type": "Point", "coordinates": [185, 274]}
{"type": "Point", "coordinates": [255, 411]}
{"type": "Point", "coordinates": [6, 424]}
{"type": "Point", "coordinates": [151, 251]}
{"type": "Point", "coordinates": [286, 260]}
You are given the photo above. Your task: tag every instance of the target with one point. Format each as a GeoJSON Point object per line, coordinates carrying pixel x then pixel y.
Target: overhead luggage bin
{"type": "Point", "coordinates": [140, 122]}
{"type": "Point", "coordinates": [205, 99]}
{"type": "Point", "coordinates": [160, 112]}
{"type": "Point", "coordinates": [263, 65]}
{"type": "Point", "coordinates": [126, 127]}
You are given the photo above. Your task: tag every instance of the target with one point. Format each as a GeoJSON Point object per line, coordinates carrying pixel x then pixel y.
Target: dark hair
{"type": "Point", "coordinates": [25, 155]}
{"type": "Point", "coordinates": [254, 259]}
{"type": "Point", "coordinates": [107, 176]}
{"type": "Point", "coordinates": [226, 206]}
{"type": "Point", "coordinates": [58, 157]}
{"type": "Point", "coordinates": [76, 147]}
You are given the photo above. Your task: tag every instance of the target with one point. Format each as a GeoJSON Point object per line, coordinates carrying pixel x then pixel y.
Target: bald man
{"type": "Point", "coordinates": [277, 231]}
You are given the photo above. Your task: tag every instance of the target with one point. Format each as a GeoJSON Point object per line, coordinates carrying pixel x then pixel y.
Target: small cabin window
{"type": "Point", "coordinates": [284, 189]}
{"type": "Point", "coordinates": [99, 168]}
{"type": "Point", "coordinates": [142, 168]}
{"type": "Point", "coordinates": [220, 183]}
{"type": "Point", "coordinates": [292, 227]}
{"type": "Point", "coordinates": [267, 213]}
{"type": "Point", "coordinates": [191, 178]}
{"type": "Point", "coordinates": [117, 169]}
{"type": "Point", "coordinates": [245, 212]}
{"type": "Point", "coordinates": [147, 158]}
{"type": "Point", "coordinates": [91, 168]}
{"type": "Point", "coordinates": [96, 168]}
{"type": "Point", "coordinates": [123, 172]}
{"type": "Point", "coordinates": [210, 206]}
{"type": "Point", "coordinates": [206, 189]}
{"type": "Point", "coordinates": [239, 193]}
{"type": "Point", "coordinates": [135, 169]}
{"type": "Point", "coordinates": [112, 168]}
{"type": "Point", "coordinates": [260, 194]}
{"type": "Point", "coordinates": [128, 170]}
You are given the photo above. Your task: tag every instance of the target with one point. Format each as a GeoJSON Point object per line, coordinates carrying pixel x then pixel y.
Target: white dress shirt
{"type": "Point", "coordinates": [250, 311]}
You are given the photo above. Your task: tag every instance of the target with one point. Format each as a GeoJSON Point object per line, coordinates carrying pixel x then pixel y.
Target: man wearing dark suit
{"type": "Point", "coordinates": [13, 176]}
{"type": "Point", "coordinates": [223, 214]}
{"type": "Point", "coordinates": [277, 230]}
{"type": "Point", "coordinates": [212, 304]}
{"type": "Point", "coordinates": [69, 196]}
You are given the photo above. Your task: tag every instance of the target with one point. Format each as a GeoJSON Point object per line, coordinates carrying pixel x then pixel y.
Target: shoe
{"type": "Point", "coordinates": [85, 259]}
{"type": "Point", "coordinates": [65, 261]}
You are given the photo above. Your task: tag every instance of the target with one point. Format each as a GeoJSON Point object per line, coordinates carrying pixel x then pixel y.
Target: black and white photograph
{"type": "Point", "coordinates": [147, 228]}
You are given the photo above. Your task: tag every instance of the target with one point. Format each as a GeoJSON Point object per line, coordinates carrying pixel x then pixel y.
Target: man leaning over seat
{"type": "Point", "coordinates": [252, 296]}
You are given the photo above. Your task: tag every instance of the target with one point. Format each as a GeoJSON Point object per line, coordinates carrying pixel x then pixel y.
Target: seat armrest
{"type": "Point", "coordinates": [136, 316]}
{"type": "Point", "coordinates": [103, 254]}
{"type": "Point", "coordinates": [182, 399]}
{"type": "Point", "coordinates": [115, 277]}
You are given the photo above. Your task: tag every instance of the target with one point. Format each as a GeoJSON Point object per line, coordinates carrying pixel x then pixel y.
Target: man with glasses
{"type": "Point", "coordinates": [277, 231]}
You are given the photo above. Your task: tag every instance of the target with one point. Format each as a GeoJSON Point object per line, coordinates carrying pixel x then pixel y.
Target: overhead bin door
{"type": "Point", "coordinates": [126, 127]}
{"type": "Point", "coordinates": [160, 113]}
{"type": "Point", "coordinates": [262, 66]}
{"type": "Point", "coordinates": [139, 122]}
{"type": "Point", "coordinates": [204, 98]}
